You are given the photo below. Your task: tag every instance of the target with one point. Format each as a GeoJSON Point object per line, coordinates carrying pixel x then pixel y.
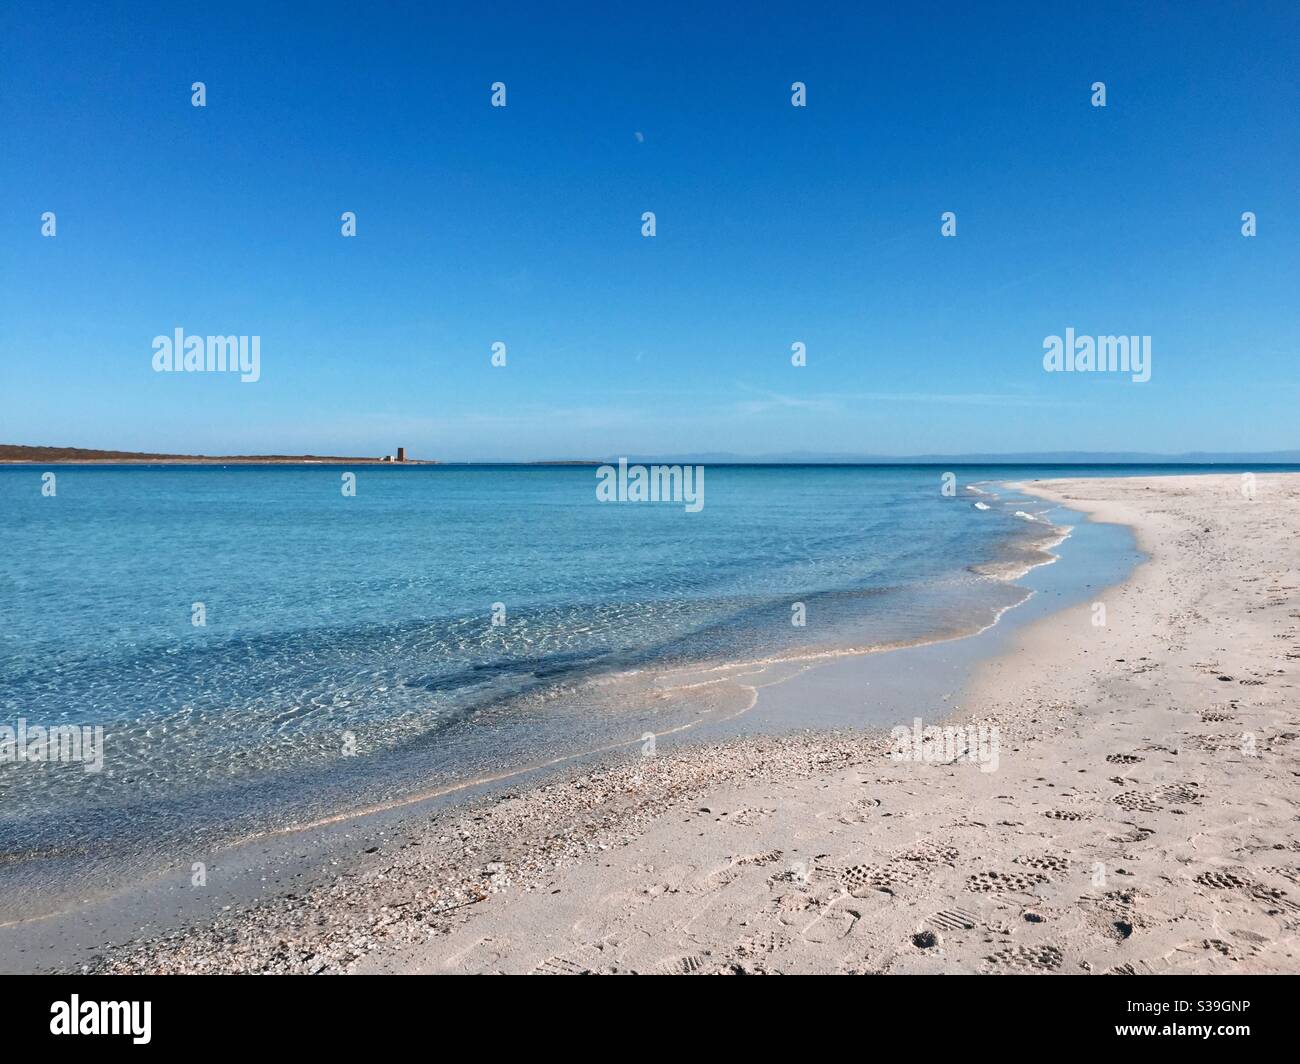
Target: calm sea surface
{"type": "Point", "coordinates": [348, 651]}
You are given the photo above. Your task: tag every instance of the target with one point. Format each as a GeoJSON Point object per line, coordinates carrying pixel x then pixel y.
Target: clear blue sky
{"type": "Point", "coordinates": [775, 224]}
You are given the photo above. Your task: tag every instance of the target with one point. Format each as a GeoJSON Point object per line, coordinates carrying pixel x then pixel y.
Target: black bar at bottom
{"type": "Point", "coordinates": [366, 1013]}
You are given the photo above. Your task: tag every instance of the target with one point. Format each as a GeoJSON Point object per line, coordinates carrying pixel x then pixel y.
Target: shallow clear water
{"type": "Point", "coordinates": [349, 653]}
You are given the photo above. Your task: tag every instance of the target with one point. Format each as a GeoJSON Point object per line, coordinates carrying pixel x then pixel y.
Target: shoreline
{"type": "Point", "coordinates": [744, 679]}
{"type": "Point", "coordinates": [683, 701]}
{"type": "Point", "coordinates": [157, 902]}
{"type": "Point", "coordinates": [484, 873]}
{"type": "Point", "coordinates": [1128, 831]}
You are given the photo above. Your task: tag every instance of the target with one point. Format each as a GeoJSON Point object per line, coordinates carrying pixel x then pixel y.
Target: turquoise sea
{"type": "Point", "coordinates": [348, 652]}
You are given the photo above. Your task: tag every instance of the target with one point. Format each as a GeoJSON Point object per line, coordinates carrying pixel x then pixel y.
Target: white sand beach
{"type": "Point", "coordinates": [1142, 817]}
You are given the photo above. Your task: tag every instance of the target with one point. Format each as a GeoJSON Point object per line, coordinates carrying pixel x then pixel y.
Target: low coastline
{"type": "Point", "coordinates": [22, 455]}
{"type": "Point", "coordinates": [634, 846]}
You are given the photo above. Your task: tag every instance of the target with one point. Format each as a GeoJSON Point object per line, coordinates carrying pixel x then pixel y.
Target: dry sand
{"type": "Point", "coordinates": [1142, 817]}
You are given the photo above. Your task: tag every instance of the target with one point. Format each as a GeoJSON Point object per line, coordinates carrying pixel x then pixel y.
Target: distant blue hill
{"type": "Point", "coordinates": [1015, 458]}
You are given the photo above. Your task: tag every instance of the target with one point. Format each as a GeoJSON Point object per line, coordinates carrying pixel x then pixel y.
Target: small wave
{"type": "Point", "coordinates": [981, 506]}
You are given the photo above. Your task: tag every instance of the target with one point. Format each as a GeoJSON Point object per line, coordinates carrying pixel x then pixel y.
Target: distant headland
{"type": "Point", "coordinates": [17, 454]}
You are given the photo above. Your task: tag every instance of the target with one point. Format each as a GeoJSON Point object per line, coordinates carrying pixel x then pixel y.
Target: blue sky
{"type": "Point", "coordinates": [775, 224]}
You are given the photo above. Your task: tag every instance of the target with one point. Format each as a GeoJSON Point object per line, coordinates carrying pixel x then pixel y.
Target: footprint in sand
{"type": "Point", "coordinates": [1138, 834]}
{"type": "Point", "coordinates": [994, 882]}
{"type": "Point", "coordinates": [797, 912]}
{"type": "Point", "coordinates": [1136, 802]}
{"type": "Point", "coordinates": [716, 879]}
{"type": "Point", "coordinates": [560, 966]}
{"type": "Point", "coordinates": [929, 852]}
{"type": "Point", "coordinates": [1221, 880]}
{"type": "Point", "coordinates": [1025, 958]}
{"type": "Point", "coordinates": [688, 965]}
{"type": "Point", "coordinates": [953, 920]}
{"type": "Point", "coordinates": [737, 966]}
{"type": "Point", "coordinates": [858, 812]}
{"type": "Point", "coordinates": [770, 857]}
{"type": "Point", "coordinates": [1217, 945]}
{"type": "Point", "coordinates": [1067, 814]}
{"type": "Point", "coordinates": [745, 817]}
{"type": "Point", "coordinates": [763, 942]}
{"type": "Point", "coordinates": [1178, 793]}
{"type": "Point", "coordinates": [1273, 896]}
{"type": "Point", "coordinates": [1115, 912]}
{"type": "Point", "coordinates": [585, 960]}
{"type": "Point", "coordinates": [1218, 879]}
{"type": "Point", "coordinates": [860, 880]}
{"type": "Point", "coordinates": [789, 907]}
{"type": "Point", "coordinates": [1215, 744]}
{"type": "Point", "coordinates": [1045, 862]}
{"type": "Point", "coordinates": [834, 922]}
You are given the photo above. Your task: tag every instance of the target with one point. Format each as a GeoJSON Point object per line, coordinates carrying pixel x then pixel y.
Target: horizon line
{"type": "Point", "coordinates": [18, 454]}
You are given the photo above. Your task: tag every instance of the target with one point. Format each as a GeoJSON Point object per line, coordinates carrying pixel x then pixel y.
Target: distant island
{"type": "Point", "coordinates": [18, 454]}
